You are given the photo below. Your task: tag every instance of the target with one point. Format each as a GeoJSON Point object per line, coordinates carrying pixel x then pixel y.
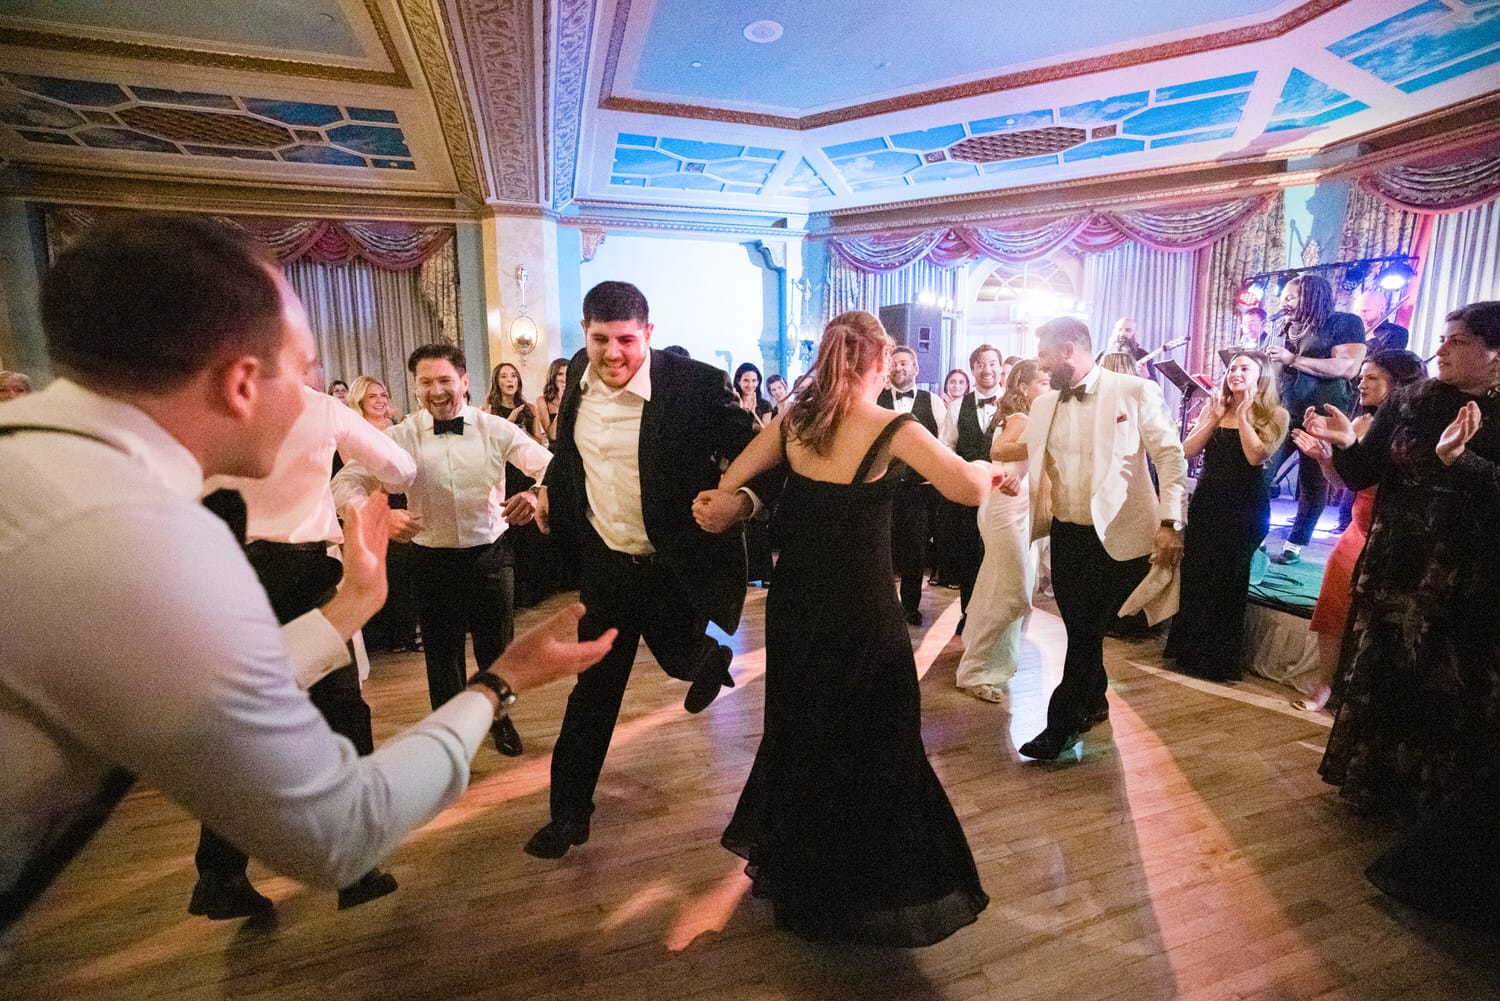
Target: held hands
{"type": "Point", "coordinates": [550, 651]}
{"type": "Point", "coordinates": [520, 508]}
{"type": "Point", "coordinates": [543, 511]}
{"type": "Point", "coordinates": [1456, 435]}
{"type": "Point", "coordinates": [1331, 426]}
{"type": "Point", "coordinates": [718, 510]}
{"type": "Point", "coordinates": [1007, 483]}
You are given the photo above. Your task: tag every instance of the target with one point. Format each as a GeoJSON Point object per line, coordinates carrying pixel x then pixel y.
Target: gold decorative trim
{"type": "Point", "coordinates": [395, 77]}
{"type": "Point", "coordinates": [454, 113]}
{"type": "Point", "coordinates": [1293, 19]}
{"type": "Point", "coordinates": [498, 37]}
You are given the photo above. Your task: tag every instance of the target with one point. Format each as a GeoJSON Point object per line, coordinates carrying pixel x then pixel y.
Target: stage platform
{"type": "Point", "coordinates": [1277, 643]}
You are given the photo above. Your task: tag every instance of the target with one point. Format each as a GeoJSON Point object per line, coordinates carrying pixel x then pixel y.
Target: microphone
{"type": "Point", "coordinates": [1276, 315]}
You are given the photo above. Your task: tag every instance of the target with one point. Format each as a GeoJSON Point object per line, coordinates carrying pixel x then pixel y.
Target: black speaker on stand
{"type": "Point", "coordinates": [919, 327]}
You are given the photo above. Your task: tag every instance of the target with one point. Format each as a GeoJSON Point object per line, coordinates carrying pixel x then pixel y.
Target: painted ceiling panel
{"type": "Point", "coordinates": [691, 165]}
{"type": "Point", "coordinates": [805, 181]}
{"type": "Point", "coordinates": [1435, 43]}
{"type": "Point", "coordinates": [1168, 118]}
{"type": "Point", "coordinates": [1003, 123]}
{"type": "Point", "coordinates": [1239, 81]}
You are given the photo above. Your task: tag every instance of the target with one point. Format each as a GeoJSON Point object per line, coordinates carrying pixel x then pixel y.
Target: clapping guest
{"type": "Point", "coordinates": [1382, 373]}
{"type": "Point", "coordinates": [747, 386]}
{"type": "Point", "coordinates": [777, 388]}
{"type": "Point", "coordinates": [1236, 432]}
{"type": "Point", "coordinates": [1002, 590]}
{"type": "Point", "coordinates": [551, 401]}
{"type": "Point", "coordinates": [372, 401]}
{"type": "Point", "coordinates": [506, 400]}
{"type": "Point", "coordinates": [956, 386]}
{"type": "Point", "coordinates": [1417, 692]}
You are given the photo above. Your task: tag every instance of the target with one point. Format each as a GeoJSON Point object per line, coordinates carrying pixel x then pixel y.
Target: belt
{"type": "Point", "coordinates": [295, 547]}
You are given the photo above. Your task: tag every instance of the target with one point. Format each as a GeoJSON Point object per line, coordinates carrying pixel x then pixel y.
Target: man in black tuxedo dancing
{"type": "Point", "coordinates": [639, 434]}
{"type": "Point", "coordinates": [912, 506]}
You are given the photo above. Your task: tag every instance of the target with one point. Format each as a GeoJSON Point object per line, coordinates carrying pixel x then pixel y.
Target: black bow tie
{"type": "Point", "coordinates": [1074, 393]}
{"type": "Point", "coordinates": [455, 426]}
{"type": "Point", "coordinates": [907, 394]}
{"type": "Point", "coordinates": [984, 401]}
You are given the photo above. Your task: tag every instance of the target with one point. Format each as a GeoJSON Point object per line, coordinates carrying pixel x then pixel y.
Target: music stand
{"type": "Point", "coordinates": [1186, 385]}
{"type": "Point", "coordinates": [1226, 355]}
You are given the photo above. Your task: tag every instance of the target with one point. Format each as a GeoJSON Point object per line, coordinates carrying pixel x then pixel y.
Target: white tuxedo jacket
{"type": "Point", "coordinates": [1130, 424]}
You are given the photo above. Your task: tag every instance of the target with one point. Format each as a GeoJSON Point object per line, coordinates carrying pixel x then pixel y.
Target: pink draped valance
{"type": "Point", "coordinates": [1087, 233]}
{"type": "Point", "coordinates": [1451, 187]}
{"type": "Point", "coordinates": [394, 246]}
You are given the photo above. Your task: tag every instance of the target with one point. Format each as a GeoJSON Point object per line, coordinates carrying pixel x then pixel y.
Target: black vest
{"type": "Point", "coordinates": [921, 408]}
{"type": "Point", "coordinates": [973, 440]}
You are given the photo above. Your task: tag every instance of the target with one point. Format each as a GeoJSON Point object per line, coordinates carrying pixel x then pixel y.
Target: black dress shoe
{"type": "Point", "coordinates": [959, 631]}
{"type": "Point", "coordinates": [220, 898]}
{"type": "Point", "coordinates": [507, 740]}
{"type": "Point", "coordinates": [554, 840]}
{"type": "Point", "coordinates": [1048, 745]}
{"type": "Point", "coordinates": [1095, 717]}
{"type": "Point", "coordinates": [914, 617]}
{"type": "Point", "coordinates": [369, 886]}
{"type": "Point", "coordinates": [713, 674]}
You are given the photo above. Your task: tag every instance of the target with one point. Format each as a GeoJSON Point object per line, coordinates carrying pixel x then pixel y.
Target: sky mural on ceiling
{"type": "Point", "coordinates": [107, 116]}
{"type": "Point", "coordinates": [1427, 44]}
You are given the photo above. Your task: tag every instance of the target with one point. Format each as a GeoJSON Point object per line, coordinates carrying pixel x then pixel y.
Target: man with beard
{"type": "Point", "coordinates": [1091, 434]}
{"type": "Point", "coordinates": [912, 505]}
{"type": "Point", "coordinates": [968, 430]}
{"type": "Point", "coordinates": [457, 513]}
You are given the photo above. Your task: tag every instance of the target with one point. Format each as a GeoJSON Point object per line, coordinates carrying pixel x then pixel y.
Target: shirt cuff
{"type": "Point", "coordinates": [313, 647]}
{"type": "Point", "coordinates": [755, 504]}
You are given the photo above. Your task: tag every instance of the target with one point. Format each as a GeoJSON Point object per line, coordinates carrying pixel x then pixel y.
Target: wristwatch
{"type": "Point", "coordinates": [1172, 523]}
{"type": "Point", "coordinates": [503, 692]}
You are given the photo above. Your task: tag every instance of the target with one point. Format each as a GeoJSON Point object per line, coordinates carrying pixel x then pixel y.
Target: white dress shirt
{"type": "Point", "coordinates": [295, 502]}
{"type": "Point", "coordinates": [903, 405]}
{"type": "Point", "coordinates": [1070, 454]}
{"type": "Point", "coordinates": [607, 434]}
{"type": "Point", "coordinates": [135, 634]}
{"type": "Point", "coordinates": [458, 493]}
{"type": "Point", "coordinates": [985, 412]}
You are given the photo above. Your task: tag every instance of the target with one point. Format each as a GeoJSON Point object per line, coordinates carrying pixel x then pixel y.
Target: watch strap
{"type": "Point", "coordinates": [503, 692]}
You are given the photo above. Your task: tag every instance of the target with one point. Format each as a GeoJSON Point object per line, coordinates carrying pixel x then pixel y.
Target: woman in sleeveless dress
{"type": "Point", "coordinates": [842, 820]}
{"type": "Point", "coordinates": [1239, 429]}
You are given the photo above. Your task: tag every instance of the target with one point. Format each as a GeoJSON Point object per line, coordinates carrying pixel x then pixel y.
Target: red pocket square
{"type": "Point", "coordinates": [1121, 419]}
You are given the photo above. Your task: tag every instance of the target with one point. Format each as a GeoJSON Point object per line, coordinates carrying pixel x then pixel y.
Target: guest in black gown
{"type": "Point", "coordinates": [845, 826]}
{"type": "Point", "coordinates": [1237, 431]}
{"type": "Point", "coordinates": [1416, 700]}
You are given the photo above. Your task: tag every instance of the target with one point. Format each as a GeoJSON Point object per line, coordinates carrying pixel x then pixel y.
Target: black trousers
{"type": "Point", "coordinates": [910, 521]}
{"type": "Point", "coordinates": [968, 552]}
{"type": "Point", "coordinates": [298, 578]}
{"type": "Point", "coordinates": [1090, 588]}
{"type": "Point", "coordinates": [642, 598]}
{"type": "Point", "coordinates": [462, 591]}
{"type": "Point", "coordinates": [1312, 487]}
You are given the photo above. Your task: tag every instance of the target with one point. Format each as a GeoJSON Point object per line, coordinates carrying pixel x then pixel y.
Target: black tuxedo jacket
{"type": "Point", "coordinates": [692, 422]}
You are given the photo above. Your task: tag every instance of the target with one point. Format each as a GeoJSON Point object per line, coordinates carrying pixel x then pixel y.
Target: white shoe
{"type": "Point", "coordinates": [985, 693]}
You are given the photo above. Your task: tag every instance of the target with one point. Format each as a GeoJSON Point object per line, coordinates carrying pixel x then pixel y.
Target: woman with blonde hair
{"type": "Point", "coordinates": [844, 824]}
{"type": "Point", "coordinates": [372, 401]}
{"type": "Point", "coordinates": [1237, 431]}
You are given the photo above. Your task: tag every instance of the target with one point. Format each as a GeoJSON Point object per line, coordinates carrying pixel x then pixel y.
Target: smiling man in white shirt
{"type": "Point", "coordinates": [134, 637]}
{"type": "Point", "coordinates": [456, 517]}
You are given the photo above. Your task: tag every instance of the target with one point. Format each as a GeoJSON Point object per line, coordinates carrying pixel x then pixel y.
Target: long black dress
{"type": "Point", "coordinates": [844, 824]}
{"type": "Point", "coordinates": [1227, 518]}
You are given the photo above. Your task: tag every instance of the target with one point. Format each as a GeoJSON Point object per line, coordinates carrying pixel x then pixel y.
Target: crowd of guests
{"type": "Point", "coordinates": [863, 475]}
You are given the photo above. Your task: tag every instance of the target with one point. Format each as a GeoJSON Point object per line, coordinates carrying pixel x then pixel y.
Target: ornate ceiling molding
{"type": "Point", "coordinates": [1245, 35]}
{"type": "Point", "coordinates": [454, 114]}
{"type": "Point", "coordinates": [499, 38]}
{"type": "Point", "coordinates": [661, 225]}
{"type": "Point", "coordinates": [575, 33]}
{"type": "Point", "coordinates": [396, 76]}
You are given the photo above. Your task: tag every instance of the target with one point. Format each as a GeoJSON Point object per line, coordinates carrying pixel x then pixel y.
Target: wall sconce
{"type": "Point", "coordinates": [524, 335]}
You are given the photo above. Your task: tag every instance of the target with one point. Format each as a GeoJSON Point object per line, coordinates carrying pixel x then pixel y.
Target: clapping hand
{"type": "Point", "coordinates": [1332, 425]}
{"type": "Point", "coordinates": [1212, 412]}
{"type": "Point", "coordinates": [1456, 435]}
{"type": "Point", "coordinates": [551, 650]}
{"type": "Point", "coordinates": [1242, 409]}
{"type": "Point", "coordinates": [1313, 448]}
{"type": "Point", "coordinates": [366, 538]}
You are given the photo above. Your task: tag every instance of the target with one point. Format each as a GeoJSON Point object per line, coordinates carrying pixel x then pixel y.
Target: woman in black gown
{"type": "Point", "coordinates": [845, 826]}
{"type": "Point", "coordinates": [1239, 428]}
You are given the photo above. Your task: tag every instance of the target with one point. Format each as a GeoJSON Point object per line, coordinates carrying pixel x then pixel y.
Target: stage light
{"type": "Point", "coordinates": [927, 298]}
{"type": "Point", "coordinates": [1251, 292]}
{"type": "Point", "coordinates": [1395, 276]}
{"type": "Point", "coordinates": [1355, 275]}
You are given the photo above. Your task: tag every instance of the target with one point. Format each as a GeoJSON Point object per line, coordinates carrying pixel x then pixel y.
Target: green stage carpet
{"type": "Point", "coordinates": [1291, 588]}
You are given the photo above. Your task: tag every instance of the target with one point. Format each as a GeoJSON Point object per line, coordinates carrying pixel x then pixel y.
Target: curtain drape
{"type": "Point", "coordinates": [1259, 245]}
{"type": "Point", "coordinates": [1462, 266]}
{"type": "Point", "coordinates": [1448, 187]}
{"type": "Point", "coordinates": [1087, 232]}
{"type": "Point", "coordinates": [850, 287]}
{"type": "Point", "coordinates": [1373, 227]}
{"type": "Point", "coordinates": [367, 320]}
{"type": "Point", "coordinates": [1155, 287]}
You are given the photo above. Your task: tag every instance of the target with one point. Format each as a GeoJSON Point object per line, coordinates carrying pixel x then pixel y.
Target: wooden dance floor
{"type": "Point", "coordinates": [1192, 854]}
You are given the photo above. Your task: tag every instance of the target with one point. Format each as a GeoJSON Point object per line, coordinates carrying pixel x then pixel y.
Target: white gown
{"type": "Point", "coordinates": [1001, 603]}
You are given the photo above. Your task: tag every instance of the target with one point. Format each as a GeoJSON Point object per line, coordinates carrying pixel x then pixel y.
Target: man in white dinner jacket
{"type": "Point", "coordinates": [1087, 442]}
